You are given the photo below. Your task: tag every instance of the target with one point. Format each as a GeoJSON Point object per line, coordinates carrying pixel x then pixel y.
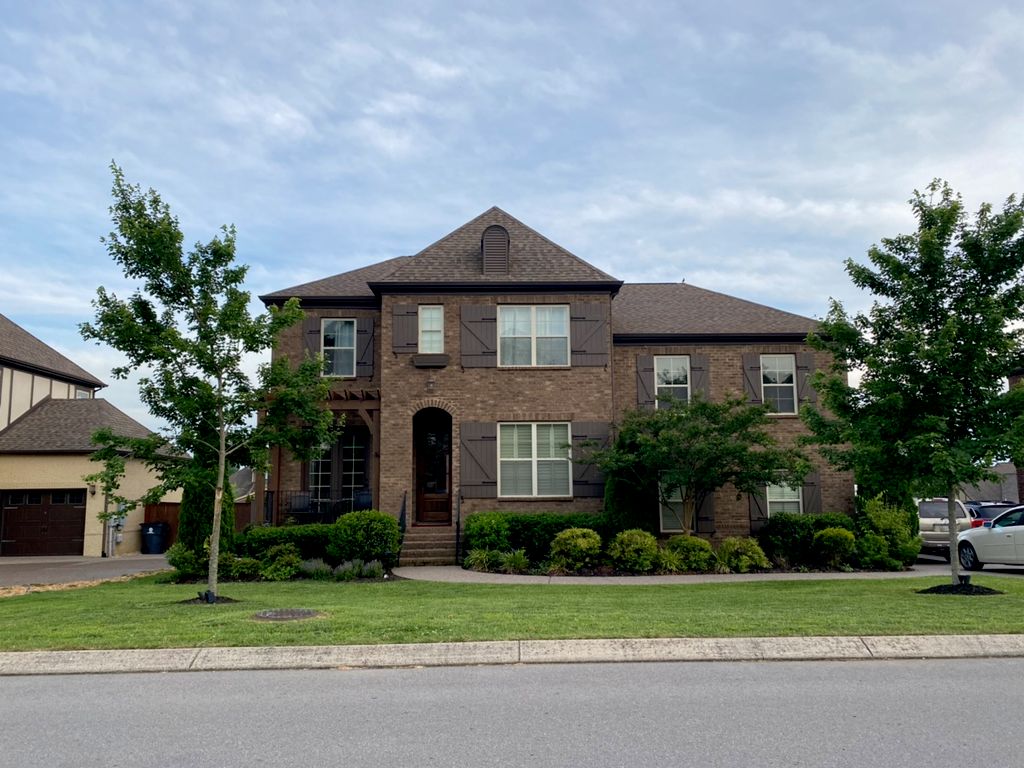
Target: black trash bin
{"type": "Point", "coordinates": [154, 538]}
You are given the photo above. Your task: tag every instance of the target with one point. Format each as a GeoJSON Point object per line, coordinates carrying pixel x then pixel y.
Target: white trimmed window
{"type": "Point", "coordinates": [778, 382]}
{"type": "Point", "coordinates": [671, 379]}
{"type": "Point", "coordinates": [320, 476]}
{"type": "Point", "coordinates": [672, 513]}
{"type": "Point", "coordinates": [533, 460]}
{"type": "Point", "coordinates": [338, 342]}
{"type": "Point", "coordinates": [431, 325]}
{"type": "Point", "coordinates": [533, 335]}
{"type": "Point", "coordinates": [782, 498]}
{"type": "Point", "coordinates": [83, 394]}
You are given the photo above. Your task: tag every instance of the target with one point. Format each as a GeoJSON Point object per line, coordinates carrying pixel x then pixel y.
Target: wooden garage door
{"type": "Point", "coordinates": [42, 522]}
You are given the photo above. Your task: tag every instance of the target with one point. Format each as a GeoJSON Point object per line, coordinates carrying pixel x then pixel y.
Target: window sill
{"type": "Point", "coordinates": [430, 360]}
{"type": "Point", "coordinates": [534, 367]}
{"type": "Point", "coordinates": [536, 498]}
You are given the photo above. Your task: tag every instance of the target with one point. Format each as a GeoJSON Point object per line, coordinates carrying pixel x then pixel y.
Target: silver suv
{"type": "Point", "coordinates": [934, 521]}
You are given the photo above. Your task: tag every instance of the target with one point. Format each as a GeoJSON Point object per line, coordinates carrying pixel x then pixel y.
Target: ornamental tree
{"type": "Point", "coordinates": [688, 450]}
{"type": "Point", "coordinates": [932, 411]}
{"type": "Point", "coordinates": [188, 330]}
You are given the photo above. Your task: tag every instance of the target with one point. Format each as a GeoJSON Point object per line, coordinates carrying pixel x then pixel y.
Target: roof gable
{"type": "Point", "coordinates": [20, 348]}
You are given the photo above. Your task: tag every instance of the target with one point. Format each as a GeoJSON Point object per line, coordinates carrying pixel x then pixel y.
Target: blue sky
{"type": "Point", "coordinates": [745, 147]}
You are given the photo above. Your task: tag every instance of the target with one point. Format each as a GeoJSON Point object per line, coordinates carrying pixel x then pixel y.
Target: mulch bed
{"type": "Point", "coordinates": [959, 589]}
{"type": "Point", "coordinates": [203, 601]}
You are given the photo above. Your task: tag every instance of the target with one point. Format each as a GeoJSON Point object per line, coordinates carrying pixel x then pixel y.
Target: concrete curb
{"type": "Point", "coordinates": [511, 652]}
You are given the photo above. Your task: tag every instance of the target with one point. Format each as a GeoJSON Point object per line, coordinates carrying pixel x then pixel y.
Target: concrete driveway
{"type": "Point", "coordinates": [23, 571]}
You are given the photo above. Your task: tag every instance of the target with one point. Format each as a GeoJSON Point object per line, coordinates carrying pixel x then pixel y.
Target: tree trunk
{"type": "Point", "coordinates": [218, 503]}
{"type": "Point", "coordinates": [954, 555]}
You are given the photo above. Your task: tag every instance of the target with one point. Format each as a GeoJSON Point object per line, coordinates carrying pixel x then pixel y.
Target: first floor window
{"type": "Point", "coordinates": [533, 460]}
{"type": "Point", "coordinates": [782, 498]}
{"type": "Point", "coordinates": [320, 479]}
{"type": "Point", "coordinates": [339, 347]}
{"type": "Point", "coordinates": [671, 379]}
{"type": "Point", "coordinates": [672, 513]}
{"type": "Point", "coordinates": [533, 336]}
{"type": "Point", "coordinates": [431, 327]}
{"type": "Point", "coordinates": [778, 382]}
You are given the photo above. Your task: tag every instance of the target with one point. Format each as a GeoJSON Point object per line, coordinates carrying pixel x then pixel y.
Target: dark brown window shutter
{"type": "Point", "coordinates": [364, 346]}
{"type": "Point", "coordinates": [758, 511]}
{"type": "Point", "coordinates": [804, 374]}
{"type": "Point", "coordinates": [478, 335]}
{"type": "Point", "coordinates": [588, 336]}
{"type": "Point", "coordinates": [706, 514]}
{"type": "Point", "coordinates": [311, 335]}
{"type": "Point", "coordinates": [645, 381]}
{"type": "Point", "coordinates": [478, 460]}
{"type": "Point", "coordinates": [752, 378]}
{"type": "Point", "coordinates": [812, 494]}
{"type": "Point", "coordinates": [405, 328]}
{"type": "Point", "coordinates": [587, 480]}
{"type": "Point", "coordinates": [700, 379]}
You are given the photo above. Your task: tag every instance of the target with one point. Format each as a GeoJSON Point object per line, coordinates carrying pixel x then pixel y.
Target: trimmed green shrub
{"type": "Point", "coordinates": [281, 563]}
{"type": "Point", "coordinates": [668, 561]}
{"type": "Point", "coordinates": [316, 569]}
{"type": "Point", "coordinates": [245, 569]}
{"type": "Point", "coordinates": [367, 535]}
{"type": "Point", "coordinates": [188, 565]}
{"type": "Point", "coordinates": [515, 561]}
{"type": "Point", "coordinates": [872, 551]}
{"type": "Point", "coordinates": [695, 553]}
{"type": "Point", "coordinates": [892, 524]}
{"type": "Point", "coordinates": [487, 530]}
{"type": "Point", "coordinates": [742, 555]}
{"type": "Point", "coordinates": [633, 550]}
{"type": "Point", "coordinates": [311, 539]}
{"type": "Point", "coordinates": [576, 548]}
{"type": "Point", "coordinates": [534, 531]}
{"type": "Point", "coordinates": [834, 546]}
{"type": "Point", "coordinates": [788, 538]}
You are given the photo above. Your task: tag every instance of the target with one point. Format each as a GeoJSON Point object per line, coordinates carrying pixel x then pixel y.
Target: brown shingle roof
{"type": "Point", "coordinates": [18, 347]}
{"type": "Point", "coordinates": [456, 258]}
{"type": "Point", "coordinates": [66, 426]}
{"type": "Point", "coordinates": [680, 308]}
{"type": "Point", "coordinates": [347, 284]}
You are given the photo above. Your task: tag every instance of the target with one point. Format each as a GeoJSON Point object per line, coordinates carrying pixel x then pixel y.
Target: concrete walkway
{"type": "Point", "coordinates": [457, 574]}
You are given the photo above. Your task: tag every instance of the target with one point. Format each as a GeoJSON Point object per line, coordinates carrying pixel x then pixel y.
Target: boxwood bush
{"type": "Point", "coordinates": [311, 540]}
{"type": "Point", "coordinates": [633, 550]}
{"type": "Point", "coordinates": [530, 531]}
{"type": "Point", "coordinates": [367, 535]}
{"type": "Point", "coordinates": [487, 530]}
{"type": "Point", "coordinates": [695, 554]}
{"type": "Point", "coordinates": [742, 555]}
{"type": "Point", "coordinates": [788, 539]}
{"type": "Point", "coordinates": [576, 548]}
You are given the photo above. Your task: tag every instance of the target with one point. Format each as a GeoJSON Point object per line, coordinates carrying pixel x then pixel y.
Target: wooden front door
{"type": "Point", "coordinates": [432, 446]}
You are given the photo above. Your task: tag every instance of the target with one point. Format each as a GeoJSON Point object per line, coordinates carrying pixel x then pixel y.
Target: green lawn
{"type": "Point", "coordinates": [146, 614]}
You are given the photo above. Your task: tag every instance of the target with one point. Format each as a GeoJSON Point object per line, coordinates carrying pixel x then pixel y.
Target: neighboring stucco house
{"type": "Point", "coordinates": [464, 372]}
{"type": "Point", "coordinates": [48, 413]}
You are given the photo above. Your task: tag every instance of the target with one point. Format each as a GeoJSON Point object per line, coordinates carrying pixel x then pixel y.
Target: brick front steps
{"type": "Point", "coordinates": [428, 546]}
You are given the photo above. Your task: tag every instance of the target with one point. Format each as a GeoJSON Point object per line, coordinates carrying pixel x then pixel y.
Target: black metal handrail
{"type": "Point", "coordinates": [401, 515]}
{"type": "Point", "coordinates": [458, 529]}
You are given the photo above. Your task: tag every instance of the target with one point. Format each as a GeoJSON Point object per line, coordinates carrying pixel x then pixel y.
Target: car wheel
{"type": "Point", "coordinates": [969, 558]}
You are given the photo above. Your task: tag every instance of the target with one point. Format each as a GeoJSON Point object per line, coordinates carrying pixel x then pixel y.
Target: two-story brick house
{"type": "Point", "coordinates": [467, 371]}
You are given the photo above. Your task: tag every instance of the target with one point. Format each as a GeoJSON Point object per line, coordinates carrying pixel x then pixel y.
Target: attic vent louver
{"type": "Point", "coordinates": [494, 247]}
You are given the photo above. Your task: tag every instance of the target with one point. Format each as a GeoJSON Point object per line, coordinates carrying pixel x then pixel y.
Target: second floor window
{"type": "Point", "coordinates": [339, 347]}
{"type": "Point", "coordinates": [778, 382]}
{"type": "Point", "coordinates": [671, 379]}
{"type": "Point", "coordinates": [431, 329]}
{"type": "Point", "coordinates": [533, 335]}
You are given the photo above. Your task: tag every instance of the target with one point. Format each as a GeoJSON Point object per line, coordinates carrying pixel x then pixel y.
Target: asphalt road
{"type": "Point", "coordinates": [815, 714]}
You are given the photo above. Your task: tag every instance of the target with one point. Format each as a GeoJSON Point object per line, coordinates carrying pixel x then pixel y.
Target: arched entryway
{"type": "Point", "coordinates": [432, 464]}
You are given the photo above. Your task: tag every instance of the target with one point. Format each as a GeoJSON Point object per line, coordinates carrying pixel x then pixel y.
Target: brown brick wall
{"type": "Point", "coordinates": [477, 395]}
{"type": "Point", "coordinates": [725, 372]}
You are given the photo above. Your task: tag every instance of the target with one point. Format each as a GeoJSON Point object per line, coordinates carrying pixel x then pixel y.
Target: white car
{"type": "Point", "coordinates": [998, 541]}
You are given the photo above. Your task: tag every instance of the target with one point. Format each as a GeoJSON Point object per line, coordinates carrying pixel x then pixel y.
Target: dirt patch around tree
{"type": "Point", "coordinates": [959, 589]}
